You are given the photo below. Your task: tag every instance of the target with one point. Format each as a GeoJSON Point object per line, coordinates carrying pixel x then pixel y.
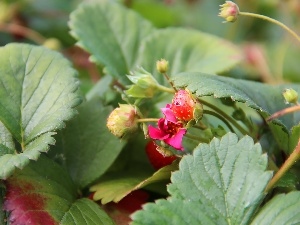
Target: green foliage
{"type": "Point", "coordinates": [88, 147]}
{"type": "Point", "coordinates": [85, 212]}
{"type": "Point", "coordinates": [266, 99]}
{"type": "Point", "coordinates": [282, 209]}
{"type": "Point", "coordinates": [188, 50]}
{"type": "Point", "coordinates": [49, 195]}
{"type": "Point", "coordinates": [116, 186]}
{"type": "Point", "coordinates": [37, 92]}
{"type": "Point", "coordinates": [113, 42]}
{"type": "Point", "coordinates": [221, 183]}
{"type": "Point", "coordinates": [131, 41]}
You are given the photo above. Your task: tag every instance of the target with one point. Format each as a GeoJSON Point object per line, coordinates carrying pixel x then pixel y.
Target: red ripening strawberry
{"type": "Point", "coordinates": [156, 157]}
{"type": "Point", "coordinates": [183, 105]}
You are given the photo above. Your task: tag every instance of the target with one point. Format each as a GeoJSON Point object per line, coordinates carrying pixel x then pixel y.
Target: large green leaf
{"type": "Point", "coordinates": [221, 183]}
{"type": "Point", "coordinates": [266, 99]}
{"type": "Point", "coordinates": [282, 209]}
{"type": "Point", "coordinates": [37, 93]}
{"type": "Point", "coordinates": [188, 51]}
{"type": "Point", "coordinates": [111, 33]}
{"type": "Point", "coordinates": [43, 193]}
{"type": "Point", "coordinates": [88, 147]}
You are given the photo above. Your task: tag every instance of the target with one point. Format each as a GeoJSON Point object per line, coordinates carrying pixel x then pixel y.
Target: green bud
{"type": "Point", "coordinates": [162, 66]}
{"type": "Point", "coordinates": [144, 84]}
{"type": "Point", "coordinates": [52, 43]}
{"type": "Point", "coordinates": [123, 120]}
{"type": "Point", "coordinates": [290, 96]}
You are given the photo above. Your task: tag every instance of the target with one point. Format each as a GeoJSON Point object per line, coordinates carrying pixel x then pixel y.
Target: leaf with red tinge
{"type": "Point", "coordinates": [44, 194]}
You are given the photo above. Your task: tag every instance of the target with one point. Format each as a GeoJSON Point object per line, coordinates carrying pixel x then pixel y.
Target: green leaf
{"type": "Point", "coordinates": [282, 209]}
{"type": "Point", "coordinates": [43, 193]}
{"type": "Point", "coordinates": [288, 180]}
{"type": "Point", "coordinates": [118, 185]}
{"type": "Point", "coordinates": [2, 194]}
{"type": "Point", "coordinates": [159, 13]}
{"type": "Point", "coordinates": [100, 88]}
{"type": "Point", "coordinates": [111, 33]}
{"type": "Point", "coordinates": [266, 99]}
{"type": "Point", "coordinates": [221, 183]}
{"type": "Point", "coordinates": [295, 137]}
{"type": "Point", "coordinates": [6, 141]}
{"type": "Point", "coordinates": [85, 211]}
{"type": "Point", "coordinates": [88, 147]}
{"type": "Point", "coordinates": [188, 50]}
{"type": "Point", "coordinates": [37, 91]}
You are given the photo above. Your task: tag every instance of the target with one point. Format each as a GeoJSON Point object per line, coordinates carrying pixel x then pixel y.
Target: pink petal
{"type": "Point", "coordinates": [169, 113]}
{"type": "Point", "coordinates": [176, 140]}
{"type": "Point", "coordinates": [157, 134]}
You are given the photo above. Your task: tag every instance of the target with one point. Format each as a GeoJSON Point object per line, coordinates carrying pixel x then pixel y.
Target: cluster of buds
{"type": "Point", "coordinates": [144, 84]}
{"type": "Point", "coordinates": [185, 110]}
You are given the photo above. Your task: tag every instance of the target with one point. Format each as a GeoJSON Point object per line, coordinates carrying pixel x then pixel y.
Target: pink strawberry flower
{"type": "Point", "coordinates": [169, 130]}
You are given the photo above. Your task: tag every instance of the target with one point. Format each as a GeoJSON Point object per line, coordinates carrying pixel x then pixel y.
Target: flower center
{"type": "Point", "coordinates": [172, 128]}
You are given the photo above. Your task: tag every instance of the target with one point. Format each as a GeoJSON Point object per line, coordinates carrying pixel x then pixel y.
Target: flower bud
{"type": "Point", "coordinates": [229, 11]}
{"type": "Point", "coordinates": [52, 43]}
{"type": "Point", "coordinates": [162, 66]}
{"type": "Point", "coordinates": [144, 84]}
{"type": "Point", "coordinates": [123, 120]}
{"type": "Point", "coordinates": [290, 96]}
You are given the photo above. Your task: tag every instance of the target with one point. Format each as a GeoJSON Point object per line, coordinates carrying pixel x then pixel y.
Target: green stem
{"type": "Point", "coordinates": [220, 118]}
{"type": "Point", "coordinates": [147, 120]}
{"type": "Point", "coordinates": [293, 158]}
{"type": "Point", "coordinates": [197, 138]}
{"type": "Point", "coordinates": [200, 125]}
{"type": "Point", "coordinates": [228, 118]}
{"type": "Point", "coordinates": [166, 89]}
{"type": "Point", "coordinates": [169, 80]}
{"type": "Point", "coordinates": [272, 21]}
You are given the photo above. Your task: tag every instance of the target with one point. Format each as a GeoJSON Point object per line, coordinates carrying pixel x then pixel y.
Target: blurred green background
{"type": "Point", "coordinates": [270, 54]}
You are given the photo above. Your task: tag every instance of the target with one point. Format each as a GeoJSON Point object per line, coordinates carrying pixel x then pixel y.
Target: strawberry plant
{"type": "Point", "coordinates": [149, 112]}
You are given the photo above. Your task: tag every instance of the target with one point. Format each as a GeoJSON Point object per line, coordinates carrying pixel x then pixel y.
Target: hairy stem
{"type": "Point", "coordinates": [166, 89]}
{"type": "Point", "coordinates": [283, 112]}
{"type": "Point", "coordinates": [228, 118]}
{"type": "Point", "coordinates": [169, 80]}
{"type": "Point", "coordinates": [219, 117]}
{"type": "Point", "coordinates": [272, 21]}
{"type": "Point", "coordinates": [293, 158]}
{"type": "Point", "coordinates": [24, 31]}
